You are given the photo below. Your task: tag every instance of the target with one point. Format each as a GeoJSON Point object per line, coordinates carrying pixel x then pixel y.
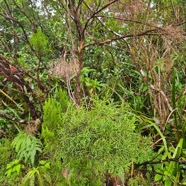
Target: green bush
{"type": "Point", "coordinates": [39, 41]}
{"type": "Point", "coordinates": [95, 142]}
{"type": "Point", "coordinates": [53, 109]}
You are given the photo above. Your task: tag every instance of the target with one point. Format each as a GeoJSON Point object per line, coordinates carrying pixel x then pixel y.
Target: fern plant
{"type": "Point", "coordinates": [38, 176]}
{"type": "Point", "coordinates": [26, 147]}
{"type": "Point", "coordinates": [14, 167]}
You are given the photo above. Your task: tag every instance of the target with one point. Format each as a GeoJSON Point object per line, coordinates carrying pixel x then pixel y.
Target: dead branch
{"type": "Point", "coordinates": [17, 78]}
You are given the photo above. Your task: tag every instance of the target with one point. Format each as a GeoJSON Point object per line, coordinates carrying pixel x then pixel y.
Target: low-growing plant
{"type": "Point", "coordinates": [97, 142]}
{"type": "Point", "coordinates": [170, 172]}
{"type": "Point", "coordinates": [26, 147]}
{"type": "Point", "coordinates": [53, 108]}
{"type": "Point", "coordinates": [25, 170]}
{"type": "Point", "coordinates": [138, 180]}
{"type": "Point", "coordinates": [14, 167]}
{"type": "Point", "coordinates": [38, 176]}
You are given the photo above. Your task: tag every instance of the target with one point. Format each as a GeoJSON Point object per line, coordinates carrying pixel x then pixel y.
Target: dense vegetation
{"type": "Point", "coordinates": [92, 92]}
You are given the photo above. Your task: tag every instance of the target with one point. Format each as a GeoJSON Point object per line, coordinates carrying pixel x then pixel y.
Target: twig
{"type": "Point", "coordinates": [120, 37]}
{"type": "Point", "coordinates": [95, 13]}
{"type": "Point", "coordinates": [178, 160]}
{"type": "Point", "coordinates": [5, 94]}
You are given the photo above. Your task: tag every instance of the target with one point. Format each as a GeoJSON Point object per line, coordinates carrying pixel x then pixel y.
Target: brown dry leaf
{"type": "Point", "coordinates": [33, 126]}
{"type": "Point", "coordinates": [174, 33]}
{"type": "Point", "coordinates": [64, 69]}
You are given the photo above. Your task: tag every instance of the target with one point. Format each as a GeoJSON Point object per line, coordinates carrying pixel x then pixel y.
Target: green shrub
{"type": "Point", "coordinates": [138, 180]}
{"type": "Point", "coordinates": [39, 41]}
{"type": "Point", "coordinates": [53, 109]}
{"type": "Point", "coordinates": [95, 142]}
{"type": "Point", "coordinates": [38, 176]}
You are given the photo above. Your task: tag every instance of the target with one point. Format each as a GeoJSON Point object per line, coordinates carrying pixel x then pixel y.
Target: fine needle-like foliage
{"type": "Point", "coordinates": [53, 108]}
{"type": "Point", "coordinates": [97, 142]}
{"type": "Point", "coordinates": [39, 41]}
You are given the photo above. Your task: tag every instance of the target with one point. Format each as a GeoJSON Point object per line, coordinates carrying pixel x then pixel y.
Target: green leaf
{"type": "Point", "coordinates": [42, 162]}
{"type": "Point", "coordinates": [168, 182]}
{"type": "Point", "coordinates": [121, 174]}
{"type": "Point", "coordinates": [13, 163]}
{"type": "Point", "coordinates": [178, 149]}
{"type": "Point", "coordinates": [32, 157]}
{"type": "Point", "coordinates": [8, 173]}
{"type": "Point", "coordinates": [158, 177]}
{"type": "Point", "coordinates": [47, 178]}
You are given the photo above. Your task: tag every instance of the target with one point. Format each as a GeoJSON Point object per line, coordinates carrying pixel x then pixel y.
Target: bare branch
{"type": "Point", "coordinates": [163, 94]}
{"type": "Point", "coordinates": [79, 4]}
{"type": "Point", "coordinates": [121, 37]}
{"type": "Point", "coordinates": [95, 13]}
